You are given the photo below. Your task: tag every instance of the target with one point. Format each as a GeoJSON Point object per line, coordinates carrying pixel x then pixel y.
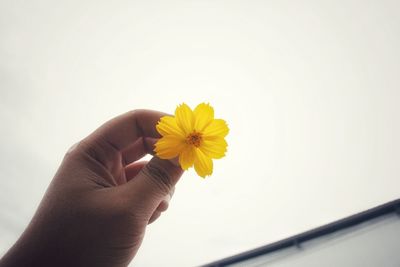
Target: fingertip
{"type": "Point", "coordinates": [157, 178]}
{"type": "Point", "coordinates": [163, 206]}
{"type": "Point", "coordinates": [175, 162]}
{"type": "Point", "coordinates": [154, 217]}
{"type": "Point", "coordinates": [164, 171]}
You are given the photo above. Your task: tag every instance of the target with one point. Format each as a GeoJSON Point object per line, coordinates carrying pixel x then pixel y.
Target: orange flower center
{"type": "Point", "coordinates": [194, 139]}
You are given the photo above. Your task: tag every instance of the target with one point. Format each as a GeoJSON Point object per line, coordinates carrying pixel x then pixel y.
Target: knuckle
{"type": "Point", "coordinates": [159, 176]}
{"type": "Point", "coordinates": [77, 150]}
{"type": "Point", "coordinates": [72, 149]}
{"type": "Point", "coordinates": [99, 150]}
{"type": "Point", "coordinates": [86, 149]}
{"type": "Point", "coordinates": [135, 113]}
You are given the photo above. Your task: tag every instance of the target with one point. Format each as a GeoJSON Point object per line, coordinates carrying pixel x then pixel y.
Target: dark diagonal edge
{"type": "Point", "coordinates": [390, 207]}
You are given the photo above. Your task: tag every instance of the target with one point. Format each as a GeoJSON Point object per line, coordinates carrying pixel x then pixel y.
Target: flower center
{"type": "Point", "coordinates": [194, 139]}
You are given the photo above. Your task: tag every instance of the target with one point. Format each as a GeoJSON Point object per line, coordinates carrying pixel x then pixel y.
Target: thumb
{"type": "Point", "coordinates": [152, 184]}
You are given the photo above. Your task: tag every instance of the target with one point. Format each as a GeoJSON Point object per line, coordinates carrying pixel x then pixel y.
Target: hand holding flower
{"type": "Point", "coordinates": [193, 136]}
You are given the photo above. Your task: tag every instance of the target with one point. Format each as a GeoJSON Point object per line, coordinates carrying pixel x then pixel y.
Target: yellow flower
{"type": "Point", "coordinates": [193, 136]}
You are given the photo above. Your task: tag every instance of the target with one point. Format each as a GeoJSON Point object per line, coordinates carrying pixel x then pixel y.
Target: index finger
{"type": "Point", "coordinates": [126, 129]}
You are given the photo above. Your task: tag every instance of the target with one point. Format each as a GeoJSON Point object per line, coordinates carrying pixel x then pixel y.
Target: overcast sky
{"type": "Point", "coordinates": [310, 89]}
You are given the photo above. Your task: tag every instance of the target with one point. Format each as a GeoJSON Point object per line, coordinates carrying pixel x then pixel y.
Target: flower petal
{"type": "Point", "coordinates": [217, 127]}
{"type": "Point", "coordinates": [169, 146]}
{"type": "Point", "coordinates": [214, 147]}
{"type": "Point", "coordinates": [203, 164]}
{"type": "Point", "coordinates": [187, 157]}
{"type": "Point", "coordinates": [185, 118]}
{"type": "Point", "coordinates": [203, 116]}
{"type": "Point", "coordinates": [167, 126]}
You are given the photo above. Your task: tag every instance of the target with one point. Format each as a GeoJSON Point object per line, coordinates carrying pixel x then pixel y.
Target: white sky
{"type": "Point", "coordinates": [310, 90]}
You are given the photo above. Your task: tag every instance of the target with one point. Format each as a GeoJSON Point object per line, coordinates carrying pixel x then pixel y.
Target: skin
{"type": "Point", "coordinates": [100, 201]}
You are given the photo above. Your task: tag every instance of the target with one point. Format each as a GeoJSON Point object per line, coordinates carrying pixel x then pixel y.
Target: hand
{"type": "Point", "coordinates": [101, 199]}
